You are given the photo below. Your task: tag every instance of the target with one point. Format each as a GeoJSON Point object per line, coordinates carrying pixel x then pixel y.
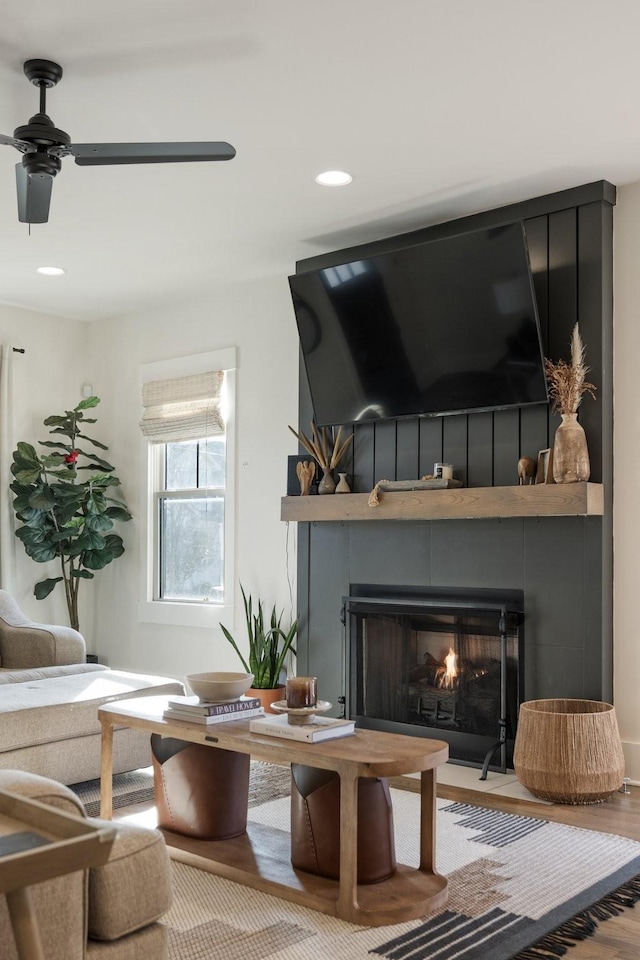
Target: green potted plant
{"type": "Point", "coordinates": [64, 517]}
{"type": "Point", "coordinates": [268, 648]}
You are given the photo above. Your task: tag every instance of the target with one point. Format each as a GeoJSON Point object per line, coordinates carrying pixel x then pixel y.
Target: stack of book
{"type": "Point", "coordinates": [322, 728]}
{"type": "Point", "coordinates": [194, 710]}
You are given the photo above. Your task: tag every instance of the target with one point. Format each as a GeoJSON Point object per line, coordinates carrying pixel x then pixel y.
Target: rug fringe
{"type": "Point", "coordinates": [584, 924]}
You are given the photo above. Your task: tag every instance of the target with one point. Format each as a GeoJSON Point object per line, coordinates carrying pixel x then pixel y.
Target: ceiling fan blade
{"type": "Point", "coordinates": [95, 154]}
{"type": "Point", "coordinates": [14, 142]}
{"type": "Point", "coordinates": [34, 195]}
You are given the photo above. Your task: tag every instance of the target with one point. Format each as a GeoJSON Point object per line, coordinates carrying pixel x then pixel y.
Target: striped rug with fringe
{"type": "Point", "coordinates": [519, 888]}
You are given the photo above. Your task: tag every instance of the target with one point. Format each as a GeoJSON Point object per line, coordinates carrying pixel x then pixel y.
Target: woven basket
{"type": "Point", "coordinates": [568, 751]}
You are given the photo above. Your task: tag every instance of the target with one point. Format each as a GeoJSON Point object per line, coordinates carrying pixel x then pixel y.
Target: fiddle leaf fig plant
{"type": "Point", "coordinates": [65, 514]}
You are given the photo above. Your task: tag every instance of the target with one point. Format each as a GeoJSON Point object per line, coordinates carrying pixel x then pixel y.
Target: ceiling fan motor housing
{"type": "Point", "coordinates": [41, 134]}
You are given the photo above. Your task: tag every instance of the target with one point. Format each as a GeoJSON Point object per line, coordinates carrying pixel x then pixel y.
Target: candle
{"type": "Point", "coordinates": [301, 692]}
{"type": "Point", "coordinates": [443, 471]}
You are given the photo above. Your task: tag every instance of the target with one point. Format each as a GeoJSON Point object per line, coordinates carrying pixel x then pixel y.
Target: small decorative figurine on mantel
{"type": "Point", "coordinates": [526, 470]}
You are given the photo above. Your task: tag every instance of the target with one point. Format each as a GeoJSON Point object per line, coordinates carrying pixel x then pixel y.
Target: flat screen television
{"type": "Point", "coordinates": [443, 327]}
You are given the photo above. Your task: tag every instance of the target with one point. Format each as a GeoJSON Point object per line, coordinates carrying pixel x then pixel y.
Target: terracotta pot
{"type": "Point", "coordinates": [570, 453]}
{"type": "Point", "coordinates": [267, 697]}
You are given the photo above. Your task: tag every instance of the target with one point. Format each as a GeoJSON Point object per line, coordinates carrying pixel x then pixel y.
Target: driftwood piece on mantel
{"type": "Point", "coordinates": [540, 500]}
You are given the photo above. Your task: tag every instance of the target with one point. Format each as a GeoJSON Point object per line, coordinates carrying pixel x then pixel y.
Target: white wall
{"type": "Point", "coordinates": [47, 379]}
{"type": "Point", "coordinates": [257, 318]}
{"type": "Point", "coordinates": [626, 485]}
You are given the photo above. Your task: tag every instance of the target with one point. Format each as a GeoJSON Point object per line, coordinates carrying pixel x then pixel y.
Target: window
{"type": "Point", "coordinates": [188, 426]}
{"type": "Point", "coordinates": [189, 518]}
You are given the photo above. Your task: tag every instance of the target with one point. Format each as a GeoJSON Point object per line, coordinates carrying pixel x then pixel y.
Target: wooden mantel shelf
{"type": "Point", "coordinates": [540, 500]}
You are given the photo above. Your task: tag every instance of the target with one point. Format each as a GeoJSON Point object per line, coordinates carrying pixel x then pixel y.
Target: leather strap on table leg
{"type": "Point", "coordinates": [315, 825]}
{"type": "Point", "coordinates": [201, 791]}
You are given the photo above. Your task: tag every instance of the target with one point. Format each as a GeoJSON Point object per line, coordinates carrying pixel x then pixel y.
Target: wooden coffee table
{"type": "Point", "coordinates": [261, 857]}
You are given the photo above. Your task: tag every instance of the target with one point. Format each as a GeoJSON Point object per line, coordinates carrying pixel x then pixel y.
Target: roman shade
{"type": "Point", "coordinates": [183, 408]}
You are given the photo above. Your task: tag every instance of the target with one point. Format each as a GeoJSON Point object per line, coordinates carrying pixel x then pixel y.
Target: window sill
{"type": "Point", "coordinates": [184, 614]}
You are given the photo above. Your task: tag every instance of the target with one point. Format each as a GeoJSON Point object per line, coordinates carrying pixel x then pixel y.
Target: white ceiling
{"type": "Point", "coordinates": [437, 107]}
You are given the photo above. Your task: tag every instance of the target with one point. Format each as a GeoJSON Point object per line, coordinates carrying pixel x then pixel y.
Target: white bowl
{"type": "Point", "coordinates": [219, 686]}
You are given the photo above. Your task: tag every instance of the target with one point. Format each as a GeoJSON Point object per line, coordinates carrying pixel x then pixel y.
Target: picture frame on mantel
{"type": "Point", "coordinates": [544, 472]}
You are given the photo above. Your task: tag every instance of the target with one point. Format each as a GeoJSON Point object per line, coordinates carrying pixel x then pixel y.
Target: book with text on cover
{"type": "Point", "coordinates": [212, 709]}
{"type": "Point", "coordinates": [322, 728]}
{"type": "Point", "coordinates": [174, 714]}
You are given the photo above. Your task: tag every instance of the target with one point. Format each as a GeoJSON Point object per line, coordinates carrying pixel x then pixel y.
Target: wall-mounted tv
{"type": "Point", "coordinates": [443, 327]}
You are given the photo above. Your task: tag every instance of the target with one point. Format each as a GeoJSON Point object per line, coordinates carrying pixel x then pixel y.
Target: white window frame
{"type": "Point", "coordinates": [173, 612]}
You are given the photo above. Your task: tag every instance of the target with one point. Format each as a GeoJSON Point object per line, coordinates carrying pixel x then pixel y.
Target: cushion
{"type": "Point", "coordinates": [8, 675]}
{"type": "Point", "coordinates": [71, 704]}
{"type": "Point", "coordinates": [134, 887]}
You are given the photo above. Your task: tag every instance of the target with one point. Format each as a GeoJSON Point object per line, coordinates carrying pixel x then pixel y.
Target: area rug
{"type": "Point", "coordinates": [519, 889]}
{"type": "Point", "coordinates": [268, 782]}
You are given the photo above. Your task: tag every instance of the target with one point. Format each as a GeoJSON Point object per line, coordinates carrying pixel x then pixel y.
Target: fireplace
{"type": "Point", "coordinates": [439, 663]}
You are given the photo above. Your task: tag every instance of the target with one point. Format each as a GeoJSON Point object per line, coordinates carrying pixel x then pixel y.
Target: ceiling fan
{"type": "Point", "coordinates": [43, 145]}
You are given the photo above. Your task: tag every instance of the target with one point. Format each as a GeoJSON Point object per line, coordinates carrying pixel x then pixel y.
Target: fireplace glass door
{"type": "Point", "coordinates": [442, 667]}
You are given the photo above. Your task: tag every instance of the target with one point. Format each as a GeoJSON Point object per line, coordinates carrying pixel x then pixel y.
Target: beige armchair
{"type": "Point", "coordinates": [25, 644]}
{"type": "Point", "coordinates": [108, 912]}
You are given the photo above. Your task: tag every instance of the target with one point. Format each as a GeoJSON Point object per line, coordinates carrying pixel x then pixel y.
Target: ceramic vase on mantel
{"type": "Point", "coordinates": [570, 452]}
{"type": "Point", "coordinates": [343, 485]}
{"type": "Point", "coordinates": [327, 484]}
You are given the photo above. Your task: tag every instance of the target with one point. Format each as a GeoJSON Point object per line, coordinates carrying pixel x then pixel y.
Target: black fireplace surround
{"type": "Point", "coordinates": [562, 565]}
{"type": "Point", "coordinates": [440, 663]}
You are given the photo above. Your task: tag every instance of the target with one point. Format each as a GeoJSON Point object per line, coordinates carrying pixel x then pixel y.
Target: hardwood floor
{"type": "Point", "coordinates": [619, 937]}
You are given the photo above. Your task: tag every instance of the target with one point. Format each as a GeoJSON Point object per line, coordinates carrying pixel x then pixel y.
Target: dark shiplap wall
{"type": "Point", "coordinates": [564, 565]}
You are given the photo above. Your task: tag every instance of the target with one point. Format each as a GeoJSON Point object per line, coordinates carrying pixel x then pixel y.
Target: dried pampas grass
{"type": "Point", "coordinates": [324, 447]}
{"type": "Point", "coordinates": [568, 381]}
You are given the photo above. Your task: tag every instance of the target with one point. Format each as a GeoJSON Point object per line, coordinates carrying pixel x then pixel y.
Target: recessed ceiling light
{"type": "Point", "coordinates": [50, 271]}
{"type": "Point", "coordinates": [334, 178]}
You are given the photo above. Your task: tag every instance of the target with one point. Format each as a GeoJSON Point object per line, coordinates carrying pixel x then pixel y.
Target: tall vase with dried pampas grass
{"type": "Point", "coordinates": [327, 449]}
{"type": "Point", "coordinates": [567, 385]}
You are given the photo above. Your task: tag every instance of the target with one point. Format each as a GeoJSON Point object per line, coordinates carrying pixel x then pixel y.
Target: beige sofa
{"type": "Point", "coordinates": [108, 912]}
{"type": "Point", "coordinates": [49, 699]}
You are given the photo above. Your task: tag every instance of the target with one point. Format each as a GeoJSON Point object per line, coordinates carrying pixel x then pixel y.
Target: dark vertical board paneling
{"type": "Point", "coordinates": [408, 449]}
{"type": "Point", "coordinates": [506, 447]}
{"type": "Point", "coordinates": [534, 431]}
{"type": "Point", "coordinates": [384, 463]}
{"type": "Point", "coordinates": [534, 421]}
{"type": "Point", "coordinates": [328, 583]}
{"type": "Point", "coordinates": [430, 444]}
{"type": "Point", "coordinates": [363, 446]}
{"type": "Point", "coordinates": [346, 463]}
{"type": "Point", "coordinates": [302, 590]}
{"type": "Point", "coordinates": [563, 290]}
{"type": "Point", "coordinates": [563, 282]}
{"type": "Point", "coordinates": [592, 236]}
{"type": "Point", "coordinates": [454, 445]}
{"type": "Point", "coordinates": [480, 450]}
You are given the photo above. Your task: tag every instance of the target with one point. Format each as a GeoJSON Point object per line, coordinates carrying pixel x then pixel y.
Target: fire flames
{"type": "Point", "coordinates": [447, 676]}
